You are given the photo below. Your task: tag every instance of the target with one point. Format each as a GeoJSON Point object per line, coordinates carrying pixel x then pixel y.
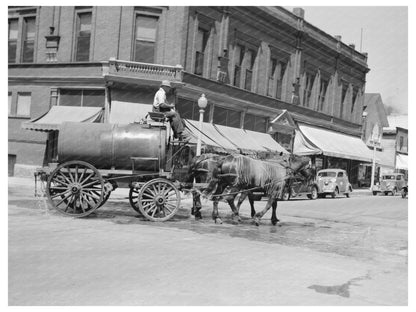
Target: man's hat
{"type": "Point", "coordinates": [166, 83]}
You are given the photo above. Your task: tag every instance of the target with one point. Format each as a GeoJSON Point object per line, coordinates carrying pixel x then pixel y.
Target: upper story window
{"type": "Point", "coordinates": [227, 117]}
{"type": "Point", "coordinates": [201, 45]}
{"type": "Point", "coordinates": [281, 69]}
{"type": "Point", "coordinates": [13, 36]}
{"type": "Point", "coordinates": [255, 123]}
{"type": "Point", "coordinates": [401, 143]}
{"type": "Point", "coordinates": [322, 93]}
{"type": "Point", "coordinates": [83, 36]}
{"type": "Point", "coordinates": [24, 101]}
{"type": "Point", "coordinates": [29, 31]}
{"type": "Point", "coordinates": [251, 56]}
{"type": "Point", "coordinates": [307, 92]}
{"type": "Point", "coordinates": [189, 109]}
{"type": "Point", "coordinates": [145, 38]}
{"type": "Point", "coordinates": [22, 35]}
{"type": "Point", "coordinates": [10, 103]}
{"type": "Point", "coordinates": [277, 70]}
{"type": "Point", "coordinates": [83, 97]}
{"type": "Point", "coordinates": [272, 71]}
{"type": "Point", "coordinates": [238, 62]}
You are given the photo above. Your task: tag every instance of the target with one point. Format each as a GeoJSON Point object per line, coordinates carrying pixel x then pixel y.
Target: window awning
{"type": "Point", "coordinates": [230, 139]}
{"type": "Point", "coordinates": [331, 143]}
{"type": "Point", "coordinates": [59, 114]}
{"type": "Point", "coordinates": [302, 146]}
{"type": "Point", "coordinates": [401, 161]}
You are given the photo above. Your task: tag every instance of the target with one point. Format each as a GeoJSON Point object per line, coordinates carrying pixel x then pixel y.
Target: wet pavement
{"type": "Point", "coordinates": [323, 252]}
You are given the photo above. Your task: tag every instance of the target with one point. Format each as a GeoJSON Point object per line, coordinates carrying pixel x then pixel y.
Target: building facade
{"type": "Point", "coordinates": [395, 146]}
{"type": "Point", "coordinates": [252, 63]}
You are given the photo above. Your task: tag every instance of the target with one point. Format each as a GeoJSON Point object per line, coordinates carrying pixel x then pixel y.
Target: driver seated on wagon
{"type": "Point", "coordinates": [160, 105]}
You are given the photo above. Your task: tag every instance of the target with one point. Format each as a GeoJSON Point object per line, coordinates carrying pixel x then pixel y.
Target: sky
{"type": "Point", "coordinates": [385, 39]}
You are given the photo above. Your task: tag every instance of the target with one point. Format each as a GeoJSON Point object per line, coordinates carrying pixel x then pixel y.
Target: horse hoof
{"type": "Point", "coordinates": [218, 220]}
{"type": "Point", "coordinates": [256, 221]}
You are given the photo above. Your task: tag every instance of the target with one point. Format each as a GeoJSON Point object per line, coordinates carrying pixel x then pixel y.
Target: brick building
{"type": "Point", "coordinates": [263, 69]}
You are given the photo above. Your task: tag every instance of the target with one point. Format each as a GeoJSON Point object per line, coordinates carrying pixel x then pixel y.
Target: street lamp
{"type": "Point", "coordinates": [364, 126]}
{"type": "Point", "coordinates": [202, 103]}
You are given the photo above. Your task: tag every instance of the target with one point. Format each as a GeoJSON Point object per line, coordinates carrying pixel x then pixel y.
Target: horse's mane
{"type": "Point", "coordinates": [254, 172]}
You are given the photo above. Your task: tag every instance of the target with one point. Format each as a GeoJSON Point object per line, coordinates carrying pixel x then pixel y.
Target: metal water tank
{"type": "Point", "coordinates": [112, 146]}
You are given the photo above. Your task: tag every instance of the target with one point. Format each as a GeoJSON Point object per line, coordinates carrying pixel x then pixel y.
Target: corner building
{"type": "Point", "coordinates": [263, 69]}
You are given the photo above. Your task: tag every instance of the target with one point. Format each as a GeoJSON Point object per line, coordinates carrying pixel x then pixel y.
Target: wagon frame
{"type": "Point", "coordinates": [77, 188]}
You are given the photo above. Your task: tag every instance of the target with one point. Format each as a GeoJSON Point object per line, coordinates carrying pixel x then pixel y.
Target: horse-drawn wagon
{"type": "Point", "coordinates": [95, 158]}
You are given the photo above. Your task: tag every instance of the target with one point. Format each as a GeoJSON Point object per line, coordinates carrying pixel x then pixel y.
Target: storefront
{"type": "Point", "coordinates": [330, 149]}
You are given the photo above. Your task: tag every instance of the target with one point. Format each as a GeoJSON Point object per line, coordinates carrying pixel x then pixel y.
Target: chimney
{"type": "Point", "coordinates": [352, 46]}
{"type": "Point", "coordinates": [299, 12]}
{"type": "Point", "coordinates": [338, 37]}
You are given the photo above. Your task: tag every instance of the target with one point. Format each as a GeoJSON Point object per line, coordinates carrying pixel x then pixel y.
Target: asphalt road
{"type": "Point", "coordinates": [324, 252]}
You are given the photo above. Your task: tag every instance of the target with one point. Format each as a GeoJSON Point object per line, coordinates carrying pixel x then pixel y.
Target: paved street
{"type": "Point", "coordinates": [325, 252]}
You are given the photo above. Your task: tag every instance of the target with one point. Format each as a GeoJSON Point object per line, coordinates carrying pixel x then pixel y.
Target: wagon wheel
{"type": "Point", "coordinates": [75, 188]}
{"type": "Point", "coordinates": [159, 200]}
{"type": "Point", "coordinates": [133, 199]}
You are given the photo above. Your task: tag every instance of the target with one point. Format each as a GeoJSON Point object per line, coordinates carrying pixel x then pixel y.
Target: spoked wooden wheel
{"type": "Point", "coordinates": [159, 200]}
{"type": "Point", "coordinates": [134, 199]}
{"type": "Point", "coordinates": [75, 188]}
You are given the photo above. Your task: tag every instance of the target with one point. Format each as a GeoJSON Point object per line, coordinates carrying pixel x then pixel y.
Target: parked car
{"type": "Point", "coordinates": [390, 183]}
{"type": "Point", "coordinates": [333, 182]}
{"type": "Point", "coordinates": [300, 186]}
{"type": "Point", "coordinates": [404, 191]}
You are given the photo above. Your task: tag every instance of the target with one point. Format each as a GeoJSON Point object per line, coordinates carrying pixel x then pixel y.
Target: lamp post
{"type": "Point", "coordinates": [202, 104]}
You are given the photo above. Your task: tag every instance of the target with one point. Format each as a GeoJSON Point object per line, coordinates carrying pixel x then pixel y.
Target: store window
{"type": "Point", "coordinates": [24, 100]}
{"type": "Point", "coordinates": [145, 38]}
{"type": "Point", "coordinates": [83, 36]}
{"type": "Point", "coordinates": [227, 117]}
{"type": "Point", "coordinates": [13, 36]}
{"type": "Point", "coordinates": [76, 97]}
{"type": "Point", "coordinates": [255, 123]}
{"type": "Point", "coordinates": [189, 109]}
{"type": "Point", "coordinates": [284, 139]}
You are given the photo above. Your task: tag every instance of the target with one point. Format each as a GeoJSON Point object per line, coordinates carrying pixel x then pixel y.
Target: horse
{"type": "Point", "coordinates": [244, 173]}
{"type": "Point", "coordinates": [299, 165]}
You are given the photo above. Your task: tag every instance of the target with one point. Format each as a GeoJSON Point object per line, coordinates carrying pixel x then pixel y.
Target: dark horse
{"type": "Point", "coordinates": [226, 176]}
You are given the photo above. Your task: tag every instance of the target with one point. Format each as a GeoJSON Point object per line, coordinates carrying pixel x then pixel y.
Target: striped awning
{"type": "Point", "coordinates": [330, 143]}
{"type": "Point", "coordinates": [228, 139]}
{"type": "Point", "coordinates": [59, 114]}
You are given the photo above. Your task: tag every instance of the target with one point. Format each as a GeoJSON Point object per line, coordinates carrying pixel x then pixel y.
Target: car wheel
{"type": "Point", "coordinates": [335, 193]}
{"type": "Point", "coordinates": [314, 193]}
{"type": "Point", "coordinates": [404, 193]}
{"type": "Point", "coordinates": [386, 193]}
{"type": "Point", "coordinates": [349, 191]}
{"type": "Point", "coordinates": [375, 193]}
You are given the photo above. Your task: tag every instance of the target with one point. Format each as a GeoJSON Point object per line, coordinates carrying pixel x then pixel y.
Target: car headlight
{"type": "Point", "coordinates": [333, 180]}
{"type": "Point", "coordinates": [378, 183]}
